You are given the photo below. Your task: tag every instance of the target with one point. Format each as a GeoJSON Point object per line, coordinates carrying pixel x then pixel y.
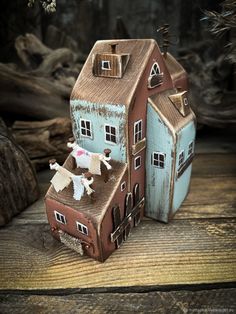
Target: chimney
{"type": "Point", "coordinates": [113, 48]}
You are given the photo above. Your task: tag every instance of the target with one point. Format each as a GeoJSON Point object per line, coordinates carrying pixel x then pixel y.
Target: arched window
{"type": "Point", "coordinates": [155, 69]}
{"type": "Point", "coordinates": [155, 77]}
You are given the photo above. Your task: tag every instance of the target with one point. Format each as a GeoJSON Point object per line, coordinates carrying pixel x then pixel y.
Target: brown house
{"type": "Point", "coordinates": [109, 109]}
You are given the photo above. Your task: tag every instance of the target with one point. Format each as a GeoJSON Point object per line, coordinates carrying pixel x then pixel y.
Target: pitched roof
{"type": "Point", "coordinates": [114, 90]}
{"type": "Point", "coordinates": [174, 67]}
{"type": "Point", "coordinates": [103, 191]}
{"type": "Point", "coordinates": [163, 105]}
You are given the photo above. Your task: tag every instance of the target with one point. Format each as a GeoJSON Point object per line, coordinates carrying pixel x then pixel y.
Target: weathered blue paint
{"type": "Point", "coordinates": [99, 115]}
{"type": "Point", "coordinates": [158, 180]}
{"type": "Point", "coordinates": [181, 184]}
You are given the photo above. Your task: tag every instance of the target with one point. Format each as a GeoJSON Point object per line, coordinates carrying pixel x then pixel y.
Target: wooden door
{"type": "Point", "coordinates": [116, 223]}
{"type": "Point", "coordinates": [135, 202]}
{"type": "Point", "coordinates": [128, 210]}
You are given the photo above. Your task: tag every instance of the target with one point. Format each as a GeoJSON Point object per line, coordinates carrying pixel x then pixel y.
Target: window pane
{"type": "Point", "coordinates": [113, 131]}
{"type": "Point", "coordinates": [88, 133]}
{"type": "Point", "coordinates": [83, 131]}
{"type": "Point", "coordinates": [82, 123]}
{"type": "Point", "coordinates": [107, 137]}
{"type": "Point", "coordinates": [107, 128]}
{"type": "Point", "coordinates": [113, 138]}
{"type": "Point", "coordinates": [87, 124]}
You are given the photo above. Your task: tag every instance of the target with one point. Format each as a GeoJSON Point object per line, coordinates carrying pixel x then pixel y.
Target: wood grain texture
{"type": "Point", "coordinates": [182, 252]}
{"type": "Point", "coordinates": [205, 301]}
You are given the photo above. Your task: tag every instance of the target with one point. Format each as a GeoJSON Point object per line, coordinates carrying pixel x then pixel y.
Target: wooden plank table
{"type": "Point", "coordinates": [188, 265]}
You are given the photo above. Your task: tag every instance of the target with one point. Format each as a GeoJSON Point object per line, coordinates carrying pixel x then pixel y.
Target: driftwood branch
{"type": "Point", "coordinates": [43, 140]}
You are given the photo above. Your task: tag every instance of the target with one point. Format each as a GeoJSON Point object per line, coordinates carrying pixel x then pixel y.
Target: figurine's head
{"type": "Point", "coordinates": [71, 142]}
{"type": "Point", "coordinates": [53, 164]}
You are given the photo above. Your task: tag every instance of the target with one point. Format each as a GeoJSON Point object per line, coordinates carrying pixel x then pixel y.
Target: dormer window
{"type": "Point", "coordinates": [185, 101]}
{"type": "Point", "coordinates": [156, 77]}
{"type": "Point", "coordinates": [106, 65]}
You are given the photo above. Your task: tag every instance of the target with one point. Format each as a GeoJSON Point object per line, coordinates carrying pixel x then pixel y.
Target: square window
{"type": "Point", "coordinates": [181, 158]}
{"type": "Point", "coordinates": [85, 128]}
{"type": "Point", "coordinates": [137, 162]}
{"type": "Point", "coordinates": [158, 159]}
{"type": "Point", "coordinates": [110, 134]}
{"type": "Point", "coordinates": [106, 65]}
{"type": "Point", "coordinates": [123, 186]}
{"type": "Point", "coordinates": [190, 148]}
{"type": "Point", "coordinates": [59, 217]}
{"type": "Point", "coordinates": [82, 228]}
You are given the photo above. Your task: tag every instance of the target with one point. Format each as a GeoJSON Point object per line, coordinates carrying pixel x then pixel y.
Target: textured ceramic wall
{"type": "Point", "coordinates": [99, 115]}
{"type": "Point", "coordinates": [158, 180]}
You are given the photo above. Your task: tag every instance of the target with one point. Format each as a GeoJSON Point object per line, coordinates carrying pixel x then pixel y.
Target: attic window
{"type": "Point", "coordinates": [185, 101]}
{"type": "Point", "coordinates": [155, 69]}
{"type": "Point", "coordinates": [155, 77]}
{"type": "Point", "coordinates": [59, 217]}
{"type": "Point", "coordinates": [82, 228]}
{"type": "Point", "coordinates": [106, 65]}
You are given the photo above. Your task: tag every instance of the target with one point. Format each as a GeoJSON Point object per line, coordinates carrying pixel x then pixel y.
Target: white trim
{"type": "Point", "coordinates": [158, 160]}
{"type": "Point", "coordinates": [180, 164]}
{"type": "Point", "coordinates": [137, 167]}
{"type": "Point", "coordinates": [136, 123]}
{"type": "Point", "coordinates": [123, 186]}
{"type": "Point", "coordinates": [105, 133]}
{"type": "Point", "coordinates": [60, 215]}
{"type": "Point", "coordinates": [82, 227]}
{"type": "Point", "coordinates": [86, 129]}
{"type": "Point", "coordinates": [109, 65]}
{"type": "Point", "coordinates": [152, 68]}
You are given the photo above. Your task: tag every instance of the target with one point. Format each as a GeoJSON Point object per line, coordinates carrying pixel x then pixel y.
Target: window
{"type": "Point", "coordinates": [82, 228]}
{"type": "Point", "coordinates": [85, 128]}
{"type": "Point", "coordinates": [137, 162]}
{"type": "Point", "coordinates": [110, 133]}
{"type": "Point", "coordinates": [138, 131]}
{"type": "Point", "coordinates": [59, 217]}
{"type": "Point", "coordinates": [185, 101]}
{"type": "Point", "coordinates": [155, 69]}
{"type": "Point", "coordinates": [158, 159]}
{"type": "Point", "coordinates": [123, 186]}
{"type": "Point", "coordinates": [106, 65]}
{"type": "Point", "coordinates": [181, 158]}
{"type": "Point", "coordinates": [190, 148]}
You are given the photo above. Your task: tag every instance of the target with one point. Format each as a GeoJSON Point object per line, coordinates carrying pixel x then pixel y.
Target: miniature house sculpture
{"type": "Point", "coordinates": [131, 101]}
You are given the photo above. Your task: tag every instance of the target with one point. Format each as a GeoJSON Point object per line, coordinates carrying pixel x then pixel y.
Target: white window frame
{"type": "Point", "coordinates": [60, 215]}
{"type": "Point", "coordinates": [85, 128]}
{"type": "Point", "coordinates": [192, 148]}
{"type": "Point", "coordinates": [139, 133]}
{"type": "Point", "coordinates": [123, 186]}
{"type": "Point", "coordinates": [108, 62]}
{"type": "Point", "coordinates": [135, 159]}
{"type": "Point", "coordinates": [83, 228]}
{"type": "Point", "coordinates": [181, 160]}
{"type": "Point", "coordinates": [153, 71]}
{"type": "Point", "coordinates": [158, 161]}
{"type": "Point", "coordinates": [109, 133]}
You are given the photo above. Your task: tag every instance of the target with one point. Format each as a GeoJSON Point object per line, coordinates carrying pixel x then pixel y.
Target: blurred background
{"type": "Point", "coordinates": [45, 43]}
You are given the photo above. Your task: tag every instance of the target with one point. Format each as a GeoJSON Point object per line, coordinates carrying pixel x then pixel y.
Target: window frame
{"type": "Point", "coordinates": [192, 148]}
{"type": "Point", "coordinates": [180, 164]}
{"type": "Point", "coordinates": [109, 65]}
{"type": "Point", "coordinates": [116, 134]}
{"type": "Point", "coordinates": [85, 128]}
{"type": "Point", "coordinates": [135, 159]}
{"type": "Point", "coordinates": [152, 69]}
{"type": "Point", "coordinates": [159, 162]}
{"type": "Point", "coordinates": [78, 223]}
{"type": "Point", "coordinates": [123, 186]}
{"type": "Point", "coordinates": [60, 215]}
{"type": "Point", "coordinates": [140, 131]}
